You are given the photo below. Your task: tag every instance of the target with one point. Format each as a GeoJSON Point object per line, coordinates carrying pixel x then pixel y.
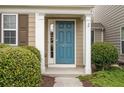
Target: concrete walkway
{"type": "Point", "coordinates": [67, 82]}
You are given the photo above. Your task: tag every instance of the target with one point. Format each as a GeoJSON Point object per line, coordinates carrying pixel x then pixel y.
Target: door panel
{"type": "Point", "coordinates": [65, 42]}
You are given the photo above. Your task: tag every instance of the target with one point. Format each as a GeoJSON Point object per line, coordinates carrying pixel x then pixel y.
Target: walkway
{"type": "Point", "coordinates": [64, 76]}
{"type": "Point", "coordinates": [67, 82]}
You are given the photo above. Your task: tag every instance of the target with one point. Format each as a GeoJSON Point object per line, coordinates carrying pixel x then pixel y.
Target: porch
{"type": "Point", "coordinates": [80, 25]}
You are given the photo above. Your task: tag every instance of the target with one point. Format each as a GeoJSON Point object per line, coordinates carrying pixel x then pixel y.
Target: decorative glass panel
{"type": "Point", "coordinates": [51, 27]}
{"type": "Point", "coordinates": [51, 40]}
{"type": "Point", "coordinates": [9, 21]}
{"type": "Point", "coordinates": [10, 37]}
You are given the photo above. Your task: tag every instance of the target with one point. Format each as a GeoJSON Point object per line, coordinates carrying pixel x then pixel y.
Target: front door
{"type": "Point", "coordinates": [64, 42]}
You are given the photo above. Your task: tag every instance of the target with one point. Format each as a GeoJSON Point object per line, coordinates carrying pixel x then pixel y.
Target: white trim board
{"type": "Point", "coordinates": [62, 65]}
{"type": "Point", "coordinates": [47, 10]}
{"type": "Point", "coordinates": [40, 36]}
{"type": "Point", "coordinates": [54, 63]}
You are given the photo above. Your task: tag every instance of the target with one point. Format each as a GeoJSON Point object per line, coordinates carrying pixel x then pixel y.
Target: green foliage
{"type": "Point", "coordinates": [3, 45]}
{"type": "Point", "coordinates": [109, 78]}
{"type": "Point", "coordinates": [34, 50]}
{"type": "Point", "coordinates": [19, 68]}
{"type": "Point", "coordinates": [87, 77]}
{"type": "Point", "coordinates": [103, 55]}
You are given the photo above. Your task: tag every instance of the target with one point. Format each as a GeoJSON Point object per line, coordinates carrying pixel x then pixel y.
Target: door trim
{"type": "Point", "coordinates": [75, 44]}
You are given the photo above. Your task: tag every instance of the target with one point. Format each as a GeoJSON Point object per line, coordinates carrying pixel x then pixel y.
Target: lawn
{"type": "Point", "coordinates": [108, 78]}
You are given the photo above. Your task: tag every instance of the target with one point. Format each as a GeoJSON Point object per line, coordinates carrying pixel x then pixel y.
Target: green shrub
{"type": "Point", "coordinates": [4, 45]}
{"type": "Point", "coordinates": [103, 55]}
{"type": "Point", "coordinates": [19, 68]}
{"type": "Point", "coordinates": [34, 50]}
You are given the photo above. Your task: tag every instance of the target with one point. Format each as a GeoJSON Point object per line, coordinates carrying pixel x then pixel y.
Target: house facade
{"type": "Point", "coordinates": [61, 33]}
{"type": "Point", "coordinates": [112, 17]}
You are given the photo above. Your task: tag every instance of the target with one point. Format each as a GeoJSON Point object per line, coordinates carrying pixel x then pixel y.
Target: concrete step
{"type": "Point", "coordinates": [64, 75]}
{"type": "Point", "coordinates": [66, 72]}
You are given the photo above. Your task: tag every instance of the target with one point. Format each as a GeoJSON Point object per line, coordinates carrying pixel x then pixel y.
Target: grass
{"type": "Point", "coordinates": [108, 78]}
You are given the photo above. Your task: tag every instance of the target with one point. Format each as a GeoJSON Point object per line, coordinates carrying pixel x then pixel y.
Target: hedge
{"type": "Point", "coordinates": [103, 55]}
{"type": "Point", "coordinates": [4, 45]}
{"type": "Point", "coordinates": [19, 68]}
{"type": "Point", "coordinates": [34, 50]}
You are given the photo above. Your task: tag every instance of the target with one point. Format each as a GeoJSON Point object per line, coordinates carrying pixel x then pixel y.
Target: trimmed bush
{"type": "Point", "coordinates": [34, 50]}
{"type": "Point", "coordinates": [19, 68]}
{"type": "Point", "coordinates": [4, 45]}
{"type": "Point", "coordinates": [103, 55]}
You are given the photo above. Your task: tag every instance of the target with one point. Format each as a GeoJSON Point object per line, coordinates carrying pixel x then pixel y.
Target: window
{"type": "Point", "coordinates": [51, 41]}
{"type": "Point", "coordinates": [122, 40]}
{"type": "Point", "coordinates": [9, 29]}
{"type": "Point", "coordinates": [92, 37]}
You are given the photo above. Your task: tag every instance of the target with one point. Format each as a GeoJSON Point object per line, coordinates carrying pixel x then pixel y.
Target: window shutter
{"type": "Point", "coordinates": [23, 29]}
{"type": "Point", "coordinates": [0, 27]}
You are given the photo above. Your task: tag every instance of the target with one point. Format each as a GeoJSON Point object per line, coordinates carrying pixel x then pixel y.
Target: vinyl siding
{"type": "Point", "coordinates": [79, 39]}
{"type": "Point", "coordinates": [31, 34]}
{"type": "Point", "coordinates": [112, 17]}
{"type": "Point", "coordinates": [97, 36]}
{"type": "Point", "coordinates": [79, 42]}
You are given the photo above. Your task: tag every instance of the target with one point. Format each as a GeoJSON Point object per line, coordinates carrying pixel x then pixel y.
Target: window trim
{"type": "Point", "coordinates": [2, 29]}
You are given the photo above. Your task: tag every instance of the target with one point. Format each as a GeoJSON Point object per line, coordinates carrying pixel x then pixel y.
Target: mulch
{"type": "Point", "coordinates": [87, 83]}
{"type": "Point", "coordinates": [47, 81]}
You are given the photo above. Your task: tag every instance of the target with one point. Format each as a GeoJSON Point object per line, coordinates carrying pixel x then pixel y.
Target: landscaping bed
{"type": "Point", "coordinates": [108, 78]}
{"type": "Point", "coordinates": [47, 81]}
{"type": "Point", "coordinates": [87, 83]}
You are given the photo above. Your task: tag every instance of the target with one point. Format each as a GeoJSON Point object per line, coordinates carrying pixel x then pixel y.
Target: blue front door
{"type": "Point", "coordinates": [64, 42]}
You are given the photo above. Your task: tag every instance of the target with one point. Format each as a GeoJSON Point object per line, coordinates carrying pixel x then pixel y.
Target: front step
{"type": "Point", "coordinates": [66, 72]}
{"type": "Point", "coordinates": [64, 75]}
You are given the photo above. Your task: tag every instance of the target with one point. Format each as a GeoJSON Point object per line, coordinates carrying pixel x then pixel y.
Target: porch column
{"type": "Point", "coordinates": [87, 43]}
{"type": "Point", "coordinates": [39, 37]}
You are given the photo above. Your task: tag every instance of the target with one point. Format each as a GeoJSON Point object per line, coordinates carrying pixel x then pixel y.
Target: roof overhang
{"type": "Point", "coordinates": [51, 6]}
{"type": "Point", "coordinates": [97, 26]}
{"type": "Point", "coordinates": [48, 9]}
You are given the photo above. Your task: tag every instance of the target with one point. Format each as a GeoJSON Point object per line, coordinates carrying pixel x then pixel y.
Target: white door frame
{"type": "Point", "coordinates": [54, 60]}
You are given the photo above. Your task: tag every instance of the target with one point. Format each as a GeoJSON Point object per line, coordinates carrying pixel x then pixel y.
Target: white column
{"type": "Point", "coordinates": [87, 43]}
{"type": "Point", "coordinates": [39, 37]}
